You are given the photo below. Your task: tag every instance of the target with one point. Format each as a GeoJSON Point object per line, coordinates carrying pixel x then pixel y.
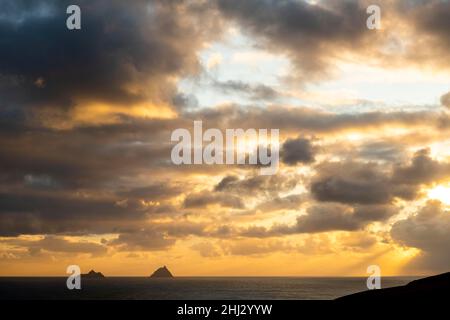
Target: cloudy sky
{"type": "Point", "coordinates": [86, 118]}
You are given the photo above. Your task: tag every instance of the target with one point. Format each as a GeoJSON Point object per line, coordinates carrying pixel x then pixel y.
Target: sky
{"type": "Point", "coordinates": [86, 118]}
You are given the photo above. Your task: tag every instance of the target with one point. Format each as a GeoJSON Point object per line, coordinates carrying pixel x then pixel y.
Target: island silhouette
{"type": "Point", "coordinates": [92, 274]}
{"type": "Point", "coordinates": [430, 288]}
{"type": "Point", "coordinates": [162, 272]}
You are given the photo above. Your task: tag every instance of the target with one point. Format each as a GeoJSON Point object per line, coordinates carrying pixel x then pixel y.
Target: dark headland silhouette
{"type": "Point", "coordinates": [162, 272]}
{"type": "Point", "coordinates": [429, 288]}
{"type": "Point", "coordinates": [92, 274]}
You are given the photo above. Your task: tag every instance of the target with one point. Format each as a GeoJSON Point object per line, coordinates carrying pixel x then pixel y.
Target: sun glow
{"type": "Point", "coordinates": [441, 193]}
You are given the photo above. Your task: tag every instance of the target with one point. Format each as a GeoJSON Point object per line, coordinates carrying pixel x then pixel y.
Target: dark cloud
{"type": "Point", "coordinates": [357, 182]}
{"type": "Point", "coordinates": [123, 54]}
{"type": "Point", "coordinates": [327, 217]}
{"type": "Point", "coordinates": [445, 100]}
{"type": "Point", "coordinates": [256, 92]}
{"type": "Point", "coordinates": [331, 217]}
{"type": "Point", "coordinates": [203, 199]}
{"type": "Point", "coordinates": [299, 150]}
{"type": "Point", "coordinates": [40, 181]}
{"type": "Point", "coordinates": [371, 183]}
{"type": "Point", "coordinates": [231, 190]}
{"type": "Point", "coordinates": [270, 185]}
{"type": "Point", "coordinates": [57, 244]}
{"type": "Point", "coordinates": [103, 154]}
{"type": "Point", "coordinates": [226, 182]}
{"type": "Point", "coordinates": [388, 151]}
{"type": "Point", "coordinates": [422, 170]}
{"type": "Point", "coordinates": [309, 34]}
{"type": "Point", "coordinates": [84, 179]}
{"type": "Point", "coordinates": [53, 213]}
{"type": "Point", "coordinates": [430, 20]}
{"type": "Point", "coordinates": [155, 191]}
{"type": "Point", "coordinates": [183, 228]}
{"type": "Point", "coordinates": [429, 231]}
{"type": "Point", "coordinates": [290, 202]}
{"type": "Point", "coordinates": [159, 236]}
{"type": "Point", "coordinates": [185, 101]}
{"type": "Point", "coordinates": [309, 120]}
{"type": "Point", "coordinates": [314, 36]}
{"type": "Point", "coordinates": [149, 239]}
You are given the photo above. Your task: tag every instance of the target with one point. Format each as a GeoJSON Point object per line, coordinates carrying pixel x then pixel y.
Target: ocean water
{"type": "Point", "coordinates": [208, 288]}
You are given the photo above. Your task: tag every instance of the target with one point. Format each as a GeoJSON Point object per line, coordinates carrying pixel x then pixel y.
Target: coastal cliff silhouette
{"type": "Point", "coordinates": [430, 288]}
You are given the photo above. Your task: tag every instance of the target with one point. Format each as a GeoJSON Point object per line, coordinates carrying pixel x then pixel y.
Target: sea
{"type": "Point", "coordinates": [189, 288]}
